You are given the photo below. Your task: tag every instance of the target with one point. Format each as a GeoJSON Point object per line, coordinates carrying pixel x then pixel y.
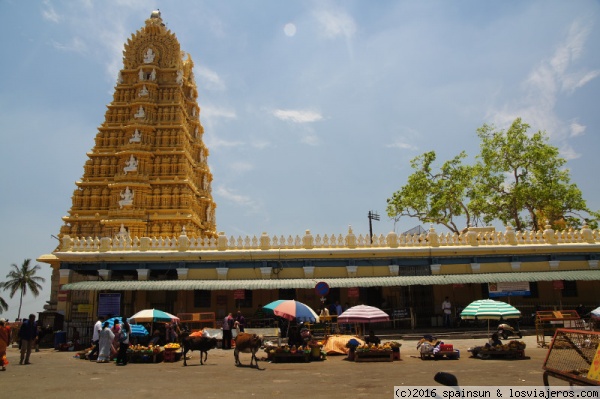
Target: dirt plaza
{"type": "Point", "coordinates": [56, 374]}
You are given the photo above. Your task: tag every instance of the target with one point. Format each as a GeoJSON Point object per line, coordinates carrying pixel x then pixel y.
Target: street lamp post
{"type": "Point", "coordinates": [372, 216]}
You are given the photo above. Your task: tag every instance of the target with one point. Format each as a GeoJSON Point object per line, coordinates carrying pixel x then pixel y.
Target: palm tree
{"type": "Point", "coordinates": [3, 305]}
{"type": "Point", "coordinates": [21, 279]}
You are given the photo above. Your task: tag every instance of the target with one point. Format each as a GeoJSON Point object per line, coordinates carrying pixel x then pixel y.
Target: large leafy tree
{"type": "Point", "coordinates": [522, 181]}
{"type": "Point", "coordinates": [434, 196]}
{"type": "Point", "coordinates": [23, 278]}
{"type": "Point", "coordinates": [518, 179]}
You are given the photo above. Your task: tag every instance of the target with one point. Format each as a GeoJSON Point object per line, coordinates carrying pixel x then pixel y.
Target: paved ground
{"type": "Point", "coordinates": [57, 374]}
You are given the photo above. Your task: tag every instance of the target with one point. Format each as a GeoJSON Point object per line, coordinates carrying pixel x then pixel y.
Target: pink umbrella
{"type": "Point", "coordinates": [363, 314]}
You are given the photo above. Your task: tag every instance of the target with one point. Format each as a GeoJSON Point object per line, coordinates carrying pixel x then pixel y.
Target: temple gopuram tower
{"type": "Point", "coordinates": [147, 175]}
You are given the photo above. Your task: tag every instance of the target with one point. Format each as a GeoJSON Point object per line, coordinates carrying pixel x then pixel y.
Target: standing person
{"type": "Point", "coordinates": [338, 308]}
{"type": "Point", "coordinates": [447, 310]}
{"type": "Point", "coordinates": [96, 337]}
{"type": "Point", "coordinates": [227, 335]}
{"type": "Point", "coordinates": [116, 330]}
{"type": "Point", "coordinates": [27, 334]}
{"type": "Point", "coordinates": [124, 335]}
{"type": "Point", "coordinates": [75, 338]}
{"type": "Point", "coordinates": [105, 343]}
{"type": "Point", "coordinates": [239, 318]}
{"type": "Point", "coordinates": [4, 340]}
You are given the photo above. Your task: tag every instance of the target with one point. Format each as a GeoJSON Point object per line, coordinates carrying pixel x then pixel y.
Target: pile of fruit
{"type": "Point", "coordinates": [511, 346]}
{"type": "Point", "coordinates": [172, 346]}
{"type": "Point", "coordinates": [150, 349]}
{"type": "Point", "coordinates": [374, 347]}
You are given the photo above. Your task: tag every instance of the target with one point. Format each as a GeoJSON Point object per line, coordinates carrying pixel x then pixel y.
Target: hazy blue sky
{"type": "Point", "coordinates": [312, 109]}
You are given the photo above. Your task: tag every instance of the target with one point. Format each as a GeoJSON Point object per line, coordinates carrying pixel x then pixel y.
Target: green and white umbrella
{"type": "Point", "coordinates": [488, 309]}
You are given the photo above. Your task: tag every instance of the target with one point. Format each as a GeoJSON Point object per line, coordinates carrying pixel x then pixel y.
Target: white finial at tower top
{"type": "Point", "coordinates": [155, 14]}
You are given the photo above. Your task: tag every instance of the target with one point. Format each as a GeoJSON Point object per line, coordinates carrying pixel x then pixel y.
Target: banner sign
{"type": "Point", "coordinates": [239, 294]}
{"type": "Point", "coordinates": [353, 292]}
{"type": "Point", "coordinates": [509, 289]}
{"type": "Point", "coordinates": [85, 308]}
{"type": "Point", "coordinates": [558, 284]}
{"type": "Point", "coordinates": [109, 304]}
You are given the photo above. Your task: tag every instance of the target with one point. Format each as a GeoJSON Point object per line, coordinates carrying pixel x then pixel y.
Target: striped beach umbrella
{"type": "Point", "coordinates": [290, 309]}
{"type": "Point", "coordinates": [363, 314]}
{"type": "Point", "coordinates": [488, 309]}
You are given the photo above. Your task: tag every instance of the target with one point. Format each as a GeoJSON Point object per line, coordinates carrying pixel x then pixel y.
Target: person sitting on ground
{"type": "Point", "coordinates": [494, 341]}
{"type": "Point", "coordinates": [372, 338]}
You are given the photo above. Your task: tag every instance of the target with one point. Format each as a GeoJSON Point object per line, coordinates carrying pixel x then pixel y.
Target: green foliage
{"type": "Point", "coordinates": [518, 179]}
{"type": "Point", "coordinates": [22, 279]}
{"type": "Point", "coordinates": [434, 197]}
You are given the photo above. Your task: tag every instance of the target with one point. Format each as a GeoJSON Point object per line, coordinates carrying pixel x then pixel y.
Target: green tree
{"type": "Point", "coordinates": [521, 178]}
{"type": "Point", "coordinates": [22, 279]}
{"type": "Point", "coordinates": [435, 197]}
{"type": "Point", "coordinates": [518, 179]}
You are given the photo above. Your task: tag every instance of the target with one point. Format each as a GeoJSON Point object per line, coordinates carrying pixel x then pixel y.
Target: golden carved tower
{"type": "Point", "coordinates": [147, 174]}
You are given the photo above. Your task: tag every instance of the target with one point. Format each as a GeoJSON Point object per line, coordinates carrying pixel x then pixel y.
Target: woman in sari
{"type": "Point", "coordinates": [106, 338]}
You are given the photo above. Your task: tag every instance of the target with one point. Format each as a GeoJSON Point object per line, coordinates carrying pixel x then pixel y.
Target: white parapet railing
{"type": "Point", "coordinates": [471, 237]}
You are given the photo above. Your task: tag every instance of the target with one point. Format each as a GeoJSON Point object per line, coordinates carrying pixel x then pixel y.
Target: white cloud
{"type": "Point", "coordinates": [215, 142]}
{"type": "Point", "coordinates": [297, 116]}
{"type": "Point", "coordinates": [209, 79]}
{"type": "Point", "coordinates": [232, 196]}
{"type": "Point", "coordinates": [310, 139]}
{"type": "Point", "coordinates": [577, 80]}
{"type": "Point", "coordinates": [50, 13]}
{"type": "Point", "coordinates": [260, 144]}
{"type": "Point", "coordinates": [217, 113]}
{"type": "Point", "coordinates": [547, 82]}
{"type": "Point", "coordinates": [402, 145]}
{"type": "Point", "coordinates": [568, 153]}
{"type": "Point", "coordinates": [577, 129]}
{"type": "Point", "coordinates": [77, 45]}
{"type": "Point", "coordinates": [336, 23]}
{"type": "Point", "coordinates": [241, 167]}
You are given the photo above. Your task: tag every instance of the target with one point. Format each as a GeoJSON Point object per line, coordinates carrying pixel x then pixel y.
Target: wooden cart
{"type": "Point", "coordinates": [547, 321]}
{"type": "Point", "coordinates": [453, 354]}
{"type": "Point", "coordinates": [574, 356]}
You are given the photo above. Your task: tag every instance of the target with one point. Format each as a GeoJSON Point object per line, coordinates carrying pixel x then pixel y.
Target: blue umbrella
{"type": "Point", "coordinates": [137, 330]}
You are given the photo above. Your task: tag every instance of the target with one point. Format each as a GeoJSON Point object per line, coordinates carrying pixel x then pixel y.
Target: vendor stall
{"type": "Point", "coordinates": [375, 353]}
{"type": "Point", "coordinates": [574, 356]}
{"type": "Point", "coordinates": [292, 354]}
{"type": "Point", "coordinates": [431, 348]}
{"type": "Point", "coordinates": [512, 350]}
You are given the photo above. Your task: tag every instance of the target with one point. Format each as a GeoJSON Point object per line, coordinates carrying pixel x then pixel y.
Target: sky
{"type": "Point", "coordinates": [312, 110]}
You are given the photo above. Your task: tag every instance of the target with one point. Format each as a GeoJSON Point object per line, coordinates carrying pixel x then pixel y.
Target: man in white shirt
{"type": "Point", "coordinates": [96, 337]}
{"type": "Point", "coordinates": [447, 310]}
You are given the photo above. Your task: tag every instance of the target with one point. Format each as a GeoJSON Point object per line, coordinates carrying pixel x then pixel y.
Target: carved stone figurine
{"type": "Point", "coordinates": [143, 92]}
{"type": "Point", "coordinates": [149, 57]}
{"type": "Point", "coordinates": [126, 197]}
{"type": "Point", "coordinates": [131, 165]}
{"type": "Point", "coordinates": [141, 113]}
{"type": "Point", "coordinates": [136, 138]}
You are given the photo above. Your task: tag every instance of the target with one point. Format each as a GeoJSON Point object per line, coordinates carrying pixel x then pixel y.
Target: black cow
{"type": "Point", "coordinates": [202, 344]}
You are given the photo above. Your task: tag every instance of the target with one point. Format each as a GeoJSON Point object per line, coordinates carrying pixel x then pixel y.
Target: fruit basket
{"type": "Point", "coordinates": [374, 353]}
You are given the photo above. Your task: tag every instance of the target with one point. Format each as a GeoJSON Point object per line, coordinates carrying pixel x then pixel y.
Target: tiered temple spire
{"type": "Point", "coordinates": [148, 173]}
